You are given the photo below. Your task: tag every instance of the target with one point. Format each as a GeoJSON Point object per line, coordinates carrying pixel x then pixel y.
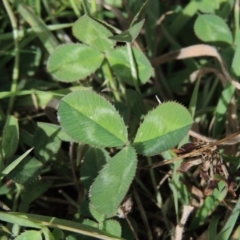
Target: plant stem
{"type": "Point", "coordinates": [110, 80]}
{"type": "Point", "coordinates": [15, 74]}
{"type": "Point", "coordinates": [133, 68]}
{"type": "Point", "coordinates": [236, 20]}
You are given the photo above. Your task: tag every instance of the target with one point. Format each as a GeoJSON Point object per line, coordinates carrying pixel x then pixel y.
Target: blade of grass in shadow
{"type": "Point", "coordinates": [29, 31]}
{"type": "Point", "coordinates": [181, 20]}
{"type": "Point", "coordinates": [133, 68]}
{"type": "Point", "coordinates": [227, 229]}
{"type": "Point", "coordinates": [193, 102]}
{"type": "Point", "coordinates": [15, 74]}
{"type": "Point", "coordinates": [48, 39]}
{"type": "Point", "coordinates": [212, 229]}
{"type": "Point", "coordinates": [11, 166]}
{"type": "Point", "coordinates": [221, 109]}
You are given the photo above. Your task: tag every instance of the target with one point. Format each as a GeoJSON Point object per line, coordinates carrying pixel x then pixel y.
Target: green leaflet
{"type": "Point", "coordinates": [162, 128]}
{"type": "Point", "coordinates": [91, 119]}
{"type": "Point", "coordinates": [113, 181]}
{"type": "Point", "coordinates": [119, 62]}
{"type": "Point", "coordinates": [26, 171]}
{"type": "Point", "coordinates": [93, 33]}
{"type": "Point", "coordinates": [211, 28]}
{"type": "Point", "coordinates": [10, 137]}
{"type": "Point", "coordinates": [71, 62]}
{"type": "Point", "coordinates": [94, 160]}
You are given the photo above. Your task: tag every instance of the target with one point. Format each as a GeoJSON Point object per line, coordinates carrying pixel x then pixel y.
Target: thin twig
{"type": "Point", "coordinates": [187, 209]}
{"type": "Point", "coordinates": [132, 229]}
{"type": "Point", "coordinates": [231, 141]}
{"type": "Point", "coordinates": [143, 214]}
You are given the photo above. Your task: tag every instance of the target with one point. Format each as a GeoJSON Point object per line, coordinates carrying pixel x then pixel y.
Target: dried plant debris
{"type": "Point", "coordinates": [211, 166]}
{"type": "Point", "coordinates": [126, 207]}
{"type": "Point", "coordinates": [206, 156]}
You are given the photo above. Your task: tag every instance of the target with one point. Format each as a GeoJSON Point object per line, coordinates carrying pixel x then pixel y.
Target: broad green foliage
{"type": "Point", "coordinates": [113, 181]}
{"type": "Point", "coordinates": [30, 234]}
{"type": "Point", "coordinates": [10, 137]}
{"type": "Point", "coordinates": [236, 58]}
{"type": "Point", "coordinates": [46, 143]}
{"type": "Point", "coordinates": [26, 171]}
{"type": "Point", "coordinates": [162, 128]}
{"type": "Point", "coordinates": [71, 62]}
{"type": "Point", "coordinates": [226, 231]}
{"type": "Point", "coordinates": [38, 26]}
{"type": "Point", "coordinates": [38, 221]}
{"type": "Point", "coordinates": [93, 34]}
{"type": "Point", "coordinates": [94, 160]}
{"type": "Point", "coordinates": [14, 164]}
{"type": "Point", "coordinates": [211, 28]}
{"type": "Point", "coordinates": [90, 118]}
{"type": "Point", "coordinates": [207, 6]}
{"type": "Point", "coordinates": [52, 129]}
{"type": "Point", "coordinates": [98, 216]}
{"type": "Point", "coordinates": [119, 61]}
{"type": "Point", "coordinates": [113, 227]}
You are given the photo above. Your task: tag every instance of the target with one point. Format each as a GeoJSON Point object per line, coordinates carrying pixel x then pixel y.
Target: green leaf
{"type": "Point", "coordinates": [89, 118]}
{"type": "Point", "coordinates": [58, 234]}
{"type": "Point", "coordinates": [46, 143]}
{"type": "Point", "coordinates": [20, 219]}
{"type": "Point", "coordinates": [93, 33]}
{"type": "Point", "coordinates": [221, 109]}
{"type": "Point", "coordinates": [10, 137]}
{"type": "Point", "coordinates": [212, 228]}
{"type": "Point", "coordinates": [114, 180]}
{"type": "Point", "coordinates": [123, 110]}
{"type": "Point", "coordinates": [89, 222]}
{"type": "Point", "coordinates": [207, 6]}
{"type": "Point", "coordinates": [211, 28]}
{"type": "Point", "coordinates": [130, 34]}
{"type": "Point", "coordinates": [53, 128]}
{"type": "Point", "coordinates": [47, 234]}
{"type": "Point", "coordinates": [209, 205]}
{"type": "Point", "coordinates": [39, 27]}
{"type": "Point", "coordinates": [32, 192]}
{"type": "Point", "coordinates": [135, 102]}
{"type": "Point", "coordinates": [26, 171]}
{"type": "Point", "coordinates": [37, 221]}
{"type": "Point", "coordinates": [194, 99]}
{"type": "Point", "coordinates": [162, 128]}
{"type": "Point", "coordinates": [231, 222]}
{"type": "Point", "coordinates": [236, 58]}
{"type": "Point", "coordinates": [115, 3]}
{"type": "Point", "coordinates": [141, 13]}
{"type": "Point", "coordinates": [113, 227]}
{"type": "Point", "coordinates": [72, 62]}
{"type": "Point", "coordinates": [11, 166]}
{"type": "Point", "coordinates": [100, 217]}
{"type": "Point", "coordinates": [119, 62]}
{"type": "Point", "coordinates": [94, 160]}
{"type": "Point", "coordinates": [30, 234]}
